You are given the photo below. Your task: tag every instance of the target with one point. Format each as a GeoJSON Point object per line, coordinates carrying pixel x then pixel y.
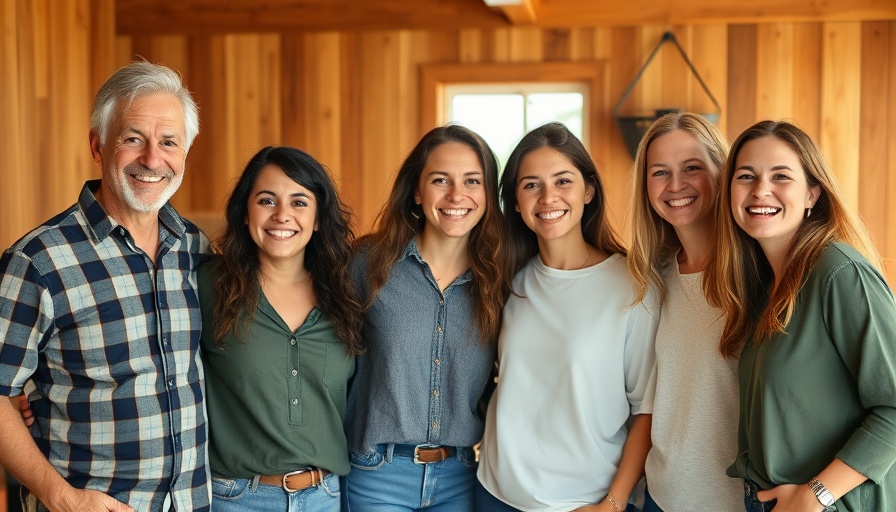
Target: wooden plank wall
{"type": "Point", "coordinates": [352, 98]}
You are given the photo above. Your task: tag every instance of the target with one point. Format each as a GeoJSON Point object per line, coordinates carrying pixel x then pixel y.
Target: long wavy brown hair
{"type": "Point", "coordinates": [327, 255]}
{"type": "Point", "coordinates": [402, 219]}
{"type": "Point", "coordinates": [596, 228]}
{"type": "Point", "coordinates": [740, 275]}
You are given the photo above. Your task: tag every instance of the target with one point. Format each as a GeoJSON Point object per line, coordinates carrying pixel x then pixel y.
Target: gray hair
{"type": "Point", "coordinates": [135, 79]}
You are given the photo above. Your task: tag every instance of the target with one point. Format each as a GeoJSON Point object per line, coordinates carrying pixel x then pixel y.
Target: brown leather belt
{"type": "Point", "coordinates": [295, 481]}
{"type": "Point", "coordinates": [424, 454]}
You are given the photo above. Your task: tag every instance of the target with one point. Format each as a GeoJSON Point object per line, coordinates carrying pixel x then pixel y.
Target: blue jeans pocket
{"type": "Point", "coordinates": [228, 489]}
{"type": "Point", "coordinates": [366, 461]}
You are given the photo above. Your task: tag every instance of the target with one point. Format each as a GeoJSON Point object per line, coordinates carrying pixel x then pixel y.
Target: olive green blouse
{"type": "Point", "coordinates": [277, 402]}
{"type": "Point", "coordinates": [826, 388]}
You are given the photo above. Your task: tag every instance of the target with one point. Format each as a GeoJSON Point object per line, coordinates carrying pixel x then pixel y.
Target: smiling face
{"type": "Point", "coordinates": [281, 216]}
{"type": "Point", "coordinates": [451, 191]}
{"type": "Point", "coordinates": [551, 194]}
{"type": "Point", "coordinates": [770, 193]}
{"type": "Point", "coordinates": [682, 181]}
{"type": "Point", "coordinates": [143, 158]}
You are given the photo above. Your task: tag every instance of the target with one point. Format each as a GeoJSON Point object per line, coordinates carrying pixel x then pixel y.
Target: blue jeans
{"type": "Point", "coordinates": [241, 494]}
{"type": "Point", "coordinates": [383, 482]}
{"type": "Point", "coordinates": [486, 502]}
{"type": "Point", "coordinates": [649, 504]}
{"type": "Point", "coordinates": [751, 501]}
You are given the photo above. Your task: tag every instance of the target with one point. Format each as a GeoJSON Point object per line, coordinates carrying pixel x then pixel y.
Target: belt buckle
{"type": "Point", "coordinates": [417, 452]}
{"type": "Point", "coordinates": [294, 473]}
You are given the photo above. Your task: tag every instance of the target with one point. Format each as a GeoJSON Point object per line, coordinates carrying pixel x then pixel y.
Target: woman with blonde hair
{"type": "Point", "coordinates": [814, 322]}
{"type": "Point", "coordinates": [672, 210]}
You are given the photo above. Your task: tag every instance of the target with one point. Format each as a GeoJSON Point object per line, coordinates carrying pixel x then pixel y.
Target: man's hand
{"type": "Point", "coordinates": [81, 500]}
{"type": "Point", "coordinates": [25, 411]}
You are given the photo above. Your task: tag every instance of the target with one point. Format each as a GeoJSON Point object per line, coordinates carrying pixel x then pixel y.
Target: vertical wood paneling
{"type": "Point", "coordinates": [470, 45]}
{"type": "Point", "coordinates": [674, 70]}
{"type": "Point", "coordinates": [709, 53]}
{"type": "Point", "coordinates": [874, 132]}
{"type": "Point", "coordinates": [526, 45]}
{"type": "Point", "coordinates": [294, 80]}
{"type": "Point", "coordinates": [208, 171]}
{"type": "Point", "coordinates": [774, 63]}
{"type": "Point", "coordinates": [742, 71]}
{"type": "Point", "coordinates": [352, 98]}
{"type": "Point", "coordinates": [352, 156]}
{"type": "Point", "coordinates": [841, 73]}
{"type": "Point", "coordinates": [322, 108]}
{"type": "Point", "coordinates": [382, 151]}
{"type": "Point", "coordinates": [807, 46]}
{"type": "Point", "coordinates": [888, 248]}
{"type": "Point", "coordinates": [623, 47]}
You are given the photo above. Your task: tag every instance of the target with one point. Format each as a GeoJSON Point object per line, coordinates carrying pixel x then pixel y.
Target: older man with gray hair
{"type": "Point", "coordinates": [98, 308]}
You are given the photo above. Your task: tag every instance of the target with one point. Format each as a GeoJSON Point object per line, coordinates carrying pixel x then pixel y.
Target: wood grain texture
{"type": "Point", "coordinates": [840, 103]}
{"type": "Point", "coordinates": [873, 186]}
{"type": "Point", "coordinates": [358, 100]}
{"type": "Point", "coordinates": [230, 16]}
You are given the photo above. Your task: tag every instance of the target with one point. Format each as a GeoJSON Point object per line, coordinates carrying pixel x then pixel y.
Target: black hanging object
{"type": "Point", "coordinates": [633, 128]}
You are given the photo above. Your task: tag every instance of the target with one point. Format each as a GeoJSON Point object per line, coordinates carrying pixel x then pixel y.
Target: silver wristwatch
{"type": "Point", "coordinates": [823, 494]}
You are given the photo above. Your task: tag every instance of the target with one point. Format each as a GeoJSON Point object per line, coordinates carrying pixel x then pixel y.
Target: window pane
{"type": "Point", "coordinates": [565, 107]}
{"type": "Point", "coordinates": [498, 118]}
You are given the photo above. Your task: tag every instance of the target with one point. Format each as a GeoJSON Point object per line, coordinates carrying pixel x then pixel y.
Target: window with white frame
{"type": "Point", "coordinates": [503, 112]}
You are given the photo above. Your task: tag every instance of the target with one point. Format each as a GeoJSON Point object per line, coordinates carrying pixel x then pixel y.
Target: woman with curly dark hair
{"type": "Point", "coordinates": [281, 327]}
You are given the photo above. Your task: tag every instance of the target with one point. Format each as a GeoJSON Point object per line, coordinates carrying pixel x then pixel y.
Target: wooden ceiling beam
{"type": "Point", "coordinates": [234, 16]}
{"type": "Point", "coordinates": [142, 17]}
{"type": "Point", "coordinates": [518, 12]}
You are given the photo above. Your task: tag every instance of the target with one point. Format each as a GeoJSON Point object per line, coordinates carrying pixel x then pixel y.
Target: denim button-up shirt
{"type": "Point", "coordinates": [425, 367]}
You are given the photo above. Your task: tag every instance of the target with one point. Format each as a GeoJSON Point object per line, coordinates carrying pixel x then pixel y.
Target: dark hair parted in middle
{"type": "Point", "coordinates": [327, 255]}
{"type": "Point", "coordinates": [402, 219]}
{"type": "Point", "coordinates": [596, 229]}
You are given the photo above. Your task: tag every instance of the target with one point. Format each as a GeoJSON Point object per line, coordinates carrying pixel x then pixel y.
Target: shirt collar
{"type": "Point", "coordinates": [411, 251]}
{"type": "Point", "coordinates": [101, 225]}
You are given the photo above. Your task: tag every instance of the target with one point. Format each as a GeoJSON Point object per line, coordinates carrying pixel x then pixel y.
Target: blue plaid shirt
{"type": "Point", "coordinates": [111, 343]}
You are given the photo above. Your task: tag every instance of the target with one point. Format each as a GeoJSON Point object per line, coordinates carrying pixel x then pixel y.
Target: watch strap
{"type": "Point", "coordinates": [823, 495]}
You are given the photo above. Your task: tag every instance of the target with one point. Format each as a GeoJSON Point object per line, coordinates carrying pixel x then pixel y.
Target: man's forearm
{"type": "Point", "coordinates": [21, 457]}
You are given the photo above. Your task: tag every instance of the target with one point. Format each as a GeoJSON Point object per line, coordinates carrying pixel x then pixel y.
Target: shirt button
{"type": "Point", "coordinates": [439, 328]}
{"type": "Point", "coordinates": [292, 341]}
{"type": "Point", "coordinates": [294, 372]}
{"type": "Point", "coordinates": [435, 425]}
{"type": "Point", "coordinates": [437, 360]}
{"type": "Point", "coordinates": [441, 302]}
{"type": "Point", "coordinates": [171, 382]}
{"type": "Point", "coordinates": [435, 393]}
{"type": "Point", "coordinates": [295, 401]}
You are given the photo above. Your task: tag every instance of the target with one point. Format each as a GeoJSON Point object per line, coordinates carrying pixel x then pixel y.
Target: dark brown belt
{"type": "Point", "coordinates": [295, 481]}
{"type": "Point", "coordinates": [424, 454]}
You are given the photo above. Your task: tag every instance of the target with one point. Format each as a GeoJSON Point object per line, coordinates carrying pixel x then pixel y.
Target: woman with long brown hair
{"type": "Point", "coordinates": [433, 283]}
{"type": "Point", "coordinates": [813, 321]}
{"type": "Point", "coordinates": [569, 424]}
